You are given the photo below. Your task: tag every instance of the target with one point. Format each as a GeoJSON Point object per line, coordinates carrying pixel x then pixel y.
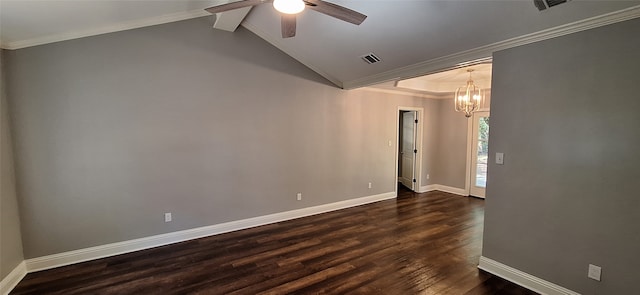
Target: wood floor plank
{"type": "Point", "coordinates": [274, 253]}
{"type": "Point", "coordinates": [314, 278]}
{"type": "Point", "coordinates": [426, 243]}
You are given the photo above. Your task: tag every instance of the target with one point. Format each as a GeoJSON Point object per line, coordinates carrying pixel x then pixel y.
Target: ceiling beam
{"type": "Point", "coordinates": [230, 20]}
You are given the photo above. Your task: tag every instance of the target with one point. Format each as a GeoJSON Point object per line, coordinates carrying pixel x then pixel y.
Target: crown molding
{"type": "Point", "coordinates": [406, 93]}
{"type": "Point", "coordinates": [423, 94]}
{"type": "Point", "coordinates": [483, 52]}
{"type": "Point", "coordinates": [397, 92]}
{"type": "Point", "coordinates": [276, 41]}
{"type": "Point", "coordinates": [122, 26]}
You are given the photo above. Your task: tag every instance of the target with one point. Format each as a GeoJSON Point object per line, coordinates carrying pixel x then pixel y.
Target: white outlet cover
{"type": "Point", "coordinates": [167, 217]}
{"type": "Point", "coordinates": [500, 158]}
{"type": "Point", "coordinates": [594, 272]}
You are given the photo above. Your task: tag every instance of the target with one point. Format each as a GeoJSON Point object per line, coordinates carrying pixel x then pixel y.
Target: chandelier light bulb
{"type": "Point", "coordinates": [289, 6]}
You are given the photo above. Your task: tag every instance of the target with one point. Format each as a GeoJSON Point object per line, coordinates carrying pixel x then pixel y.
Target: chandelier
{"type": "Point", "coordinates": [468, 98]}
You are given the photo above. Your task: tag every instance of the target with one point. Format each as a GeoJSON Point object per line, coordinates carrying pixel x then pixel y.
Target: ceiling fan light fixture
{"type": "Point", "coordinates": [289, 6]}
{"type": "Point", "coordinates": [290, 9]}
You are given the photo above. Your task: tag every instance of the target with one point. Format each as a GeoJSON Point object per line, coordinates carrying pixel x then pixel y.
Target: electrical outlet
{"type": "Point", "coordinates": [594, 272]}
{"type": "Point", "coordinates": [369, 184]}
{"type": "Point", "coordinates": [299, 196]}
{"type": "Point", "coordinates": [167, 217]}
{"type": "Point", "coordinates": [427, 176]}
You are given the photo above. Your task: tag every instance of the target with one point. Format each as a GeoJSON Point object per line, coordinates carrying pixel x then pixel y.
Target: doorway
{"type": "Point", "coordinates": [408, 152]}
{"type": "Point", "coordinates": [479, 154]}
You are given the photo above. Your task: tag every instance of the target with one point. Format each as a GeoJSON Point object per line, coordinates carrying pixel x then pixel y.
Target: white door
{"type": "Point", "coordinates": [479, 154]}
{"type": "Point", "coordinates": [408, 151]}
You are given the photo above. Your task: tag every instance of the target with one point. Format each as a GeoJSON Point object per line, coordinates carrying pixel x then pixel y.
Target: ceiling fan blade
{"type": "Point", "coordinates": [337, 11]}
{"type": "Point", "coordinates": [234, 5]}
{"type": "Point", "coordinates": [288, 25]}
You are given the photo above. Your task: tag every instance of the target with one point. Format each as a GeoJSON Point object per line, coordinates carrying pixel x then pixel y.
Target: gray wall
{"type": "Point", "coordinates": [565, 113]}
{"type": "Point", "coordinates": [451, 147]}
{"type": "Point", "coordinates": [450, 156]}
{"type": "Point", "coordinates": [10, 237]}
{"type": "Point", "coordinates": [430, 140]}
{"type": "Point", "coordinates": [114, 130]}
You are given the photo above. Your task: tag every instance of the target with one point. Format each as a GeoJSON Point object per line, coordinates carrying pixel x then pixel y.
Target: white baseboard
{"type": "Point", "coordinates": [452, 190]}
{"type": "Point", "coordinates": [522, 278]}
{"type": "Point", "coordinates": [13, 278]}
{"type": "Point", "coordinates": [76, 256]}
{"type": "Point", "coordinates": [427, 188]}
{"type": "Point", "coordinates": [443, 188]}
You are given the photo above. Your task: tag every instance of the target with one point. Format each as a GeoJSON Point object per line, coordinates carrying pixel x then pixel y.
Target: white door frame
{"type": "Point", "coordinates": [418, 165]}
{"type": "Point", "coordinates": [467, 185]}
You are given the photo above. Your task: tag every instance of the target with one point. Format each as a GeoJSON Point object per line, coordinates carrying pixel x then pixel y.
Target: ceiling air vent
{"type": "Point", "coordinates": [371, 58]}
{"type": "Point", "coordinates": [544, 4]}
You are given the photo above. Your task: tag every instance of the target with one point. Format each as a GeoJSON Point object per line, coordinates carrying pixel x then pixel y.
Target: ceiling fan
{"type": "Point", "coordinates": [289, 9]}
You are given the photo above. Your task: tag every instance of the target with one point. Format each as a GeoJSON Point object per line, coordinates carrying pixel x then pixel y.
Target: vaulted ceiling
{"type": "Point", "coordinates": [411, 37]}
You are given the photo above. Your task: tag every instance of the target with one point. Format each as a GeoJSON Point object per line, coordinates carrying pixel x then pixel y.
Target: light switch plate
{"type": "Point", "coordinates": [500, 158]}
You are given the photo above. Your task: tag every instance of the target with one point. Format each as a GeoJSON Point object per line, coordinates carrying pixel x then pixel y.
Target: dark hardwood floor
{"type": "Point", "coordinates": [416, 244]}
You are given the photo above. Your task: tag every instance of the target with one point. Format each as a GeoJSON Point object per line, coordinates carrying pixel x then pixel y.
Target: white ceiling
{"type": "Point", "coordinates": [31, 22]}
{"type": "Point", "coordinates": [449, 81]}
{"type": "Point", "coordinates": [411, 37]}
